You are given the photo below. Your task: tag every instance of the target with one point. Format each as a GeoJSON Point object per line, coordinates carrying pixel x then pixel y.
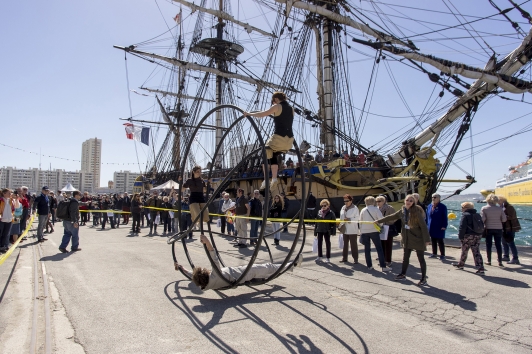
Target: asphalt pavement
{"type": "Point", "coordinates": [121, 294]}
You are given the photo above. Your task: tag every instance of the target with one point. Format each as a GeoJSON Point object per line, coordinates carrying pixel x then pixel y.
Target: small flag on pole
{"type": "Point", "coordinates": [177, 18]}
{"type": "Point", "coordinates": [138, 133]}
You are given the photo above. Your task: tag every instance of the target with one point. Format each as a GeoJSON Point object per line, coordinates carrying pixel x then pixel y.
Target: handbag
{"type": "Point", "coordinates": [315, 245]}
{"type": "Point", "coordinates": [157, 220]}
{"type": "Point", "coordinates": [341, 241]}
{"type": "Point", "coordinates": [219, 223]}
{"type": "Point", "coordinates": [342, 228]}
{"type": "Point", "coordinates": [384, 232]}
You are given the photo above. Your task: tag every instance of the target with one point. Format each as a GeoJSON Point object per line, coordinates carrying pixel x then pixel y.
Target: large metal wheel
{"type": "Point", "coordinates": [254, 151]}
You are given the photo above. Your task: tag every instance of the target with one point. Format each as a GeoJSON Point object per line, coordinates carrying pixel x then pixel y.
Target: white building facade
{"type": "Point", "coordinates": [35, 179]}
{"type": "Point", "coordinates": [91, 159]}
{"type": "Point", "coordinates": [124, 180]}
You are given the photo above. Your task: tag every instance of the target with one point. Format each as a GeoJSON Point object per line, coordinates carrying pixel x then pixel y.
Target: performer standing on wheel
{"type": "Point", "coordinates": [282, 139]}
{"type": "Point", "coordinates": [197, 187]}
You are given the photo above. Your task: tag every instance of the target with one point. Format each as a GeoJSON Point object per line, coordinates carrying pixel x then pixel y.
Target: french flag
{"type": "Point", "coordinates": [138, 133]}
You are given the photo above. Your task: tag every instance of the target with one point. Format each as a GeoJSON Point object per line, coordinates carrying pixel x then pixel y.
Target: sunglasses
{"type": "Point", "coordinates": [346, 201]}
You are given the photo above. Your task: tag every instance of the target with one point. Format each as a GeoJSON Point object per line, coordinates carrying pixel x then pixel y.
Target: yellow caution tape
{"type": "Point", "coordinates": [12, 248]}
{"type": "Point", "coordinates": [377, 227]}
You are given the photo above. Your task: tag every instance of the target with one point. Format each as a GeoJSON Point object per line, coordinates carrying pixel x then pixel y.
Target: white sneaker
{"type": "Point", "coordinates": [299, 260]}
{"type": "Point", "coordinates": [386, 269]}
{"type": "Point", "coordinates": [318, 259]}
{"type": "Point", "coordinates": [263, 185]}
{"type": "Point", "coordinates": [327, 260]}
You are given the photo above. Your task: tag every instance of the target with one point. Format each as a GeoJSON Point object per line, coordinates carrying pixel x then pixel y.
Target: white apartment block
{"type": "Point", "coordinates": [124, 180]}
{"type": "Point", "coordinates": [35, 179]}
{"type": "Point", "coordinates": [91, 159]}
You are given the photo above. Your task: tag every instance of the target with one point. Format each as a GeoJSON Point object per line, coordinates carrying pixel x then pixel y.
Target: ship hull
{"type": "Point", "coordinates": [518, 193]}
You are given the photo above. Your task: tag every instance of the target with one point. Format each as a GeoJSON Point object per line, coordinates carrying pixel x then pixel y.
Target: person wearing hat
{"type": "Point", "coordinates": [42, 205]}
{"type": "Point", "coordinates": [437, 224]}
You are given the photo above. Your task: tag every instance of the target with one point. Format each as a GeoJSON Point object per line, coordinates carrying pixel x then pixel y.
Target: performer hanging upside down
{"type": "Point", "coordinates": [207, 279]}
{"type": "Point", "coordinates": [282, 139]}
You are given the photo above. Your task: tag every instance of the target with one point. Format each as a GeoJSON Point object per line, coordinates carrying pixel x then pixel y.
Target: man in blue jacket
{"type": "Point", "coordinates": [437, 224]}
{"type": "Point", "coordinates": [42, 205]}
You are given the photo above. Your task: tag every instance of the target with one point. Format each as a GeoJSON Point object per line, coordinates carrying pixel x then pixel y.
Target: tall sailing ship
{"type": "Point", "coordinates": [346, 66]}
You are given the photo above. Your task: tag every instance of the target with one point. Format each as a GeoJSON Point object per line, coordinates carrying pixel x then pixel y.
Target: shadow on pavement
{"type": "Point", "coordinates": [56, 257]}
{"type": "Point", "coordinates": [506, 282]}
{"type": "Point", "coordinates": [276, 294]}
{"type": "Point", "coordinates": [447, 296]}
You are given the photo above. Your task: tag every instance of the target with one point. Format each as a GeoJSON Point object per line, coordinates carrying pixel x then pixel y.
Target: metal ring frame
{"type": "Point", "coordinates": [301, 226]}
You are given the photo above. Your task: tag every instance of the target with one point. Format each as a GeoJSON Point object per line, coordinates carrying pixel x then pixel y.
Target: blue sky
{"type": "Point", "coordinates": [63, 83]}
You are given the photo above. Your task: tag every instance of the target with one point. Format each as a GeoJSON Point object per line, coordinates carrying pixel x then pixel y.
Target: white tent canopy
{"type": "Point", "coordinates": [167, 185]}
{"type": "Point", "coordinates": [68, 188]}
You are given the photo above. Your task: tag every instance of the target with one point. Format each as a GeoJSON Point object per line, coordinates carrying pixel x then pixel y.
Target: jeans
{"type": "Point", "coordinates": [497, 235]}
{"type": "Point", "coordinates": [327, 237]}
{"type": "Point", "coordinates": [186, 222]}
{"type": "Point", "coordinates": [365, 240]}
{"type": "Point", "coordinates": [276, 226]}
{"type": "Point", "coordinates": [166, 223]}
{"type": "Point", "coordinates": [507, 246]}
{"type": "Point", "coordinates": [473, 242]}
{"type": "Point", "coordinates": [254, 232]}
{"type": "Point", "coordinates": [106, 218]}
{"type": "Point", "coordinates": [153, 225]}
{"type": "Point", "coordinates": [354, 247]}
{"type": "Point", "coordinates": [70, 232]}
{"type": "Point", "coordinates": [5, 232]}
{"type": "Point", "coordinates": [420, 257]}
{"type": "Point", "coordinates": [43, 219]}
{"type": "Point", "coordinates": [136, 222]}
{"type": "Point", "coordinates": [24, 219]}
{"type": "Point", "coordinates": [438, 242]}
{"type": "Point", "coordinates": [230, 228]}
{"type": "Point", "coordinates": [284, 215]}
{"type": "Point", "coordinates": [116, 218]}
{"type": "Point", "coordinates": [223, 222]}
{"type": "Point", "coordinates": [387, 247]}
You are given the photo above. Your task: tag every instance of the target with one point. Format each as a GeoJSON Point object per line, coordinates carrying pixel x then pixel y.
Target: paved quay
{"type": "Point", "coordinates": [121, 294]}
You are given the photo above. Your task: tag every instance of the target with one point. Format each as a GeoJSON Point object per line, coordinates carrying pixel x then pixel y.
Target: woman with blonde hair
{"type": "Point", "coordinates": [324, 230]}
{"type": "Point", "coordinates": [494, 218]}
{"type": "Point", "coordinates": [275, 212]}
{"type": "Point", "coordinates": [369, 234]}
{"type": "Point", "coordinates": [414, 235]}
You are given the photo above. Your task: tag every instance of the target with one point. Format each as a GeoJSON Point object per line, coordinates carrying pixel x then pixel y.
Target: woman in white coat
{"type": "Point", "coordinates": [348, 214]}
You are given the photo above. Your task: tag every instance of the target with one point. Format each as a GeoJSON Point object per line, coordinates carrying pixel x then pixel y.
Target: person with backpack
{"type": "Point", "coordinates": [493, 217]}
{"type": "Point", "coordinates": [470, 232]}
{"type": "Point", "coordinates": [71, 224]}
{"type": "Point", "coordinates": [255, 211]}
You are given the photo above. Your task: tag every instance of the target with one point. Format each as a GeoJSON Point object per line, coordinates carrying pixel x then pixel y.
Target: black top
{"type": "Point", "coordinates": [275, 210]}
{"type": "Point", "coordinates": [241, 205]}
{"type": "Point", "coordinates": [195, 185]}
{"type": "Point", "coordinates": [283, 122]}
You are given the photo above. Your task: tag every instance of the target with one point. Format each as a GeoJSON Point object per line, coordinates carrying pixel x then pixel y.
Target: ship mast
{"type": "Point", "coordinates": [220, 65]}
{"type": "Point", "coordinates": [176, 151]}
{"type": "Point", "coordinates": [328, 119]}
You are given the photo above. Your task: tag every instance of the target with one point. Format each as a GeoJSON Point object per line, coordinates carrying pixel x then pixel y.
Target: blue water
{"type": "Point", "coordinates": [523, 237]}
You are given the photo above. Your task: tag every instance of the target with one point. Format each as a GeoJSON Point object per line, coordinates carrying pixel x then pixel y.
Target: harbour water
{"type": "Point", "coordinates": [524, 212]}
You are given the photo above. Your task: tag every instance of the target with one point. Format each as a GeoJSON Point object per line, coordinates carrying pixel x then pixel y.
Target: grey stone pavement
{"type": "Point", "coordinates": [121, 294]}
